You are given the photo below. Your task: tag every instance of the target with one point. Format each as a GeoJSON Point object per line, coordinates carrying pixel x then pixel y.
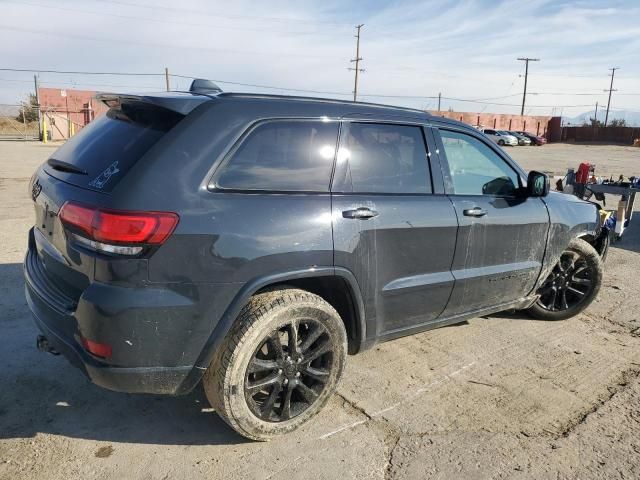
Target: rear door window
{"type": "Point", "coordinates": [102, 153]}
{"type": "Point", "coordinates": [282, 155]}
{"type": "Point", "coordinates": [387, 158]}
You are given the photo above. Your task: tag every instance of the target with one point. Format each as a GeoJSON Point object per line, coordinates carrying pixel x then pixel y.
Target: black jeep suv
{"type": "Point", "coordinates": [252, 241]}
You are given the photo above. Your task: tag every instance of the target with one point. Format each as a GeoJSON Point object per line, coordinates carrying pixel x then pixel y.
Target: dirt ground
{"type": "Point", "coordinates": [497, 397]}
{"type": "Point", "coordinates": [555, 158]}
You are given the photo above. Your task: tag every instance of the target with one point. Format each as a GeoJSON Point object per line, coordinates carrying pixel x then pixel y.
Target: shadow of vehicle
{"type": "Point", "coordinates": [631, 239]}
{"type": "Point", "coordinates": [45, 394]}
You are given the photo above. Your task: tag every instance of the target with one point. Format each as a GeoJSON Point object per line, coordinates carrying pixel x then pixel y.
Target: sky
{"type": "Point", "coordinates": [465, 50]}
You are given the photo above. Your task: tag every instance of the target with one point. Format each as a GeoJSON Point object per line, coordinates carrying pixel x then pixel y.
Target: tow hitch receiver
{"type": "Point", "coordinates": [43, 345]}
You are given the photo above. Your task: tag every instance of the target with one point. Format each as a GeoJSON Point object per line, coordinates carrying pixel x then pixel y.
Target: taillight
{"type": "Point", "coordinates": [98, 349]}
{"type": "Point", "coordinates": [117, 231]}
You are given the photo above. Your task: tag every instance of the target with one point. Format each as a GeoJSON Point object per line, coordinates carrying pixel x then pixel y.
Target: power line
{"type": "Point", "coordinates": [268, 87]}
{"type": "Point", "coordinates": [613, 73]}
{"type": "Point", "coordinates": [482, 101]}
{"type": "Point", "coordinates": [69, 72]}
{"type": "Point", "coordinates": [83, 84]}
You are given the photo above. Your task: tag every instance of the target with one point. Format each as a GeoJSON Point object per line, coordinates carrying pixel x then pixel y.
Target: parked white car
{"type": "Point", "coordinates": [501, 137]}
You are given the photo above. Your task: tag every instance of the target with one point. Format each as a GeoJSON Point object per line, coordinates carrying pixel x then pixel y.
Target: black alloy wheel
{"type": "Point", "coordinates": [570, 283]}
{"type": "Point", "coordinates": [289, 370]}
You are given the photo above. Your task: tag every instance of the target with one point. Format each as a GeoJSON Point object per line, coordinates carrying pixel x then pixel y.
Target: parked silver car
{"type": "Point", "coordinates": [500, 137]}
{"type": "Point", "coordinates": [522, 140]}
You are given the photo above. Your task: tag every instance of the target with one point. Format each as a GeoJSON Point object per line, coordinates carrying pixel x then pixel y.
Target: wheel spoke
{"type": "Point", "coordinates": [318, 351]}
{"type": "Point", "coordinates": [275, 344]}
{"type": "Point", "coordinates": [293, 338]}
{"type": "Point", "coordinates": [563, 299]}
{"type": "Point", "coordinates": [286, 404]}
{"type": "Point", "coordinates": [261, 365]}
{"type": "Point", "coordinates": [263, 382]}
{"type": "Point", "coordinates": [554, 296]}
{"type": "Point", "coordinates": [267, 408]}
{"type": "Point", "coordinates": [545, 288]}
{"type": "Point", "coordinates": [308, 394]}
{"type": "Point", "coordinates": [581, 281]}
{"type": "Point", "coordinates": [580, 269]}
{"type": "Point", "coordinates": [319, 374]}
{"type": "Point", "coordinates": [311, 338]}
{"type": "Point", "coordinates": [576, 291]}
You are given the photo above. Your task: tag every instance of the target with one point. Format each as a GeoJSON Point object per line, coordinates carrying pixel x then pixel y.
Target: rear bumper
{"type": "Point", "coordinates": [162, 380]}
{"type": "Point", "coordinates": [156, 332]}
{"type": "Point", "coordinates": [120, 379]}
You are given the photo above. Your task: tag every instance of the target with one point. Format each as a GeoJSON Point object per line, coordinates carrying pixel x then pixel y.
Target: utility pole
{"type": "Point", "coordinates": [526, 61]}
{"type": "Point", "coordinates": [439, 98]}
{"type": "Point", "coordinates": [357, 62]}
{"type": "Point", "coordinates": [166, 77]}
{"type": "Point", "coordinates": [596, 115]}
{"type": "Point", "coordinates": [611, 89]}
{"type": "Point", "coordinates": [35, 83]}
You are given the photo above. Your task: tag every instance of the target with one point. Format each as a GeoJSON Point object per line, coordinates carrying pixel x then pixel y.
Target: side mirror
{"type": "Point", "coordinates": [538, 184]}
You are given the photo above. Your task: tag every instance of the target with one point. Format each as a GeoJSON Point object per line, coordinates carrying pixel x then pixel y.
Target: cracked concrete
{"type": "Point", "coordinates": [497, 397]}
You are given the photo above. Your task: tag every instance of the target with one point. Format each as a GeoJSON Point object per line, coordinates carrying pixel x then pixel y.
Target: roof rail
{"type": "Point", "coordinates": [319, 99]}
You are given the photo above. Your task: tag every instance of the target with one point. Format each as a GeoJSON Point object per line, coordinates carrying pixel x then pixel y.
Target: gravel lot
{"type": "Point", "coordinates": [497, 397]}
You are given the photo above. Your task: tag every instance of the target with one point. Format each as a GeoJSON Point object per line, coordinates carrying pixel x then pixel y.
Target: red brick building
{"type": "Point", "coordinates": [546, 126]}
{"type": "Point", "coordinates": [61, 107]}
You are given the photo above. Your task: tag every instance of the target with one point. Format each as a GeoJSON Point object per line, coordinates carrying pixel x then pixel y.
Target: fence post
{"type": "Point", "coordinates": [24, 122]}
{"type": "Point", "coordinates": [45, 132]}
{"type": "Point", "coordinates": [35, 82]}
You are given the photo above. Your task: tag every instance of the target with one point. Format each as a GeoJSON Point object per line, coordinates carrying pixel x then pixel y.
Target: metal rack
{"type": "Point", "coordinates": [627, 193]}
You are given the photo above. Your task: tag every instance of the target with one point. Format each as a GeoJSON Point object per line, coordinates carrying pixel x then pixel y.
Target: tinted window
{"type": "Point", "coordinates": [385, 158]}
{"type": "Point", "coordinates": [109, 146]}
{"type": "Point", "coordinates": [475, 168]}
{"type": "Point", "coordinates": [283, 155]}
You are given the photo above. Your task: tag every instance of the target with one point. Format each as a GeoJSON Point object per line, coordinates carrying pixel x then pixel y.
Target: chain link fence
{"type": "Point", "coordinates": [17, 123]}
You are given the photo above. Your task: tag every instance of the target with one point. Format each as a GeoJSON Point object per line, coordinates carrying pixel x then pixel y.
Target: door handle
{"type": "Point", "coordinates": [362, 213]}
{"type": "Point", "coordinates": [474, 212]}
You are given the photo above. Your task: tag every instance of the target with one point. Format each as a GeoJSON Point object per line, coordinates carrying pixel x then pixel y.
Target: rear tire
{"type": "Point", "coordinates": [572, 285]}
{"type": "Point", "coordinates": [278, 365]}
{"type": "Point", "coordinates": [501, 143]}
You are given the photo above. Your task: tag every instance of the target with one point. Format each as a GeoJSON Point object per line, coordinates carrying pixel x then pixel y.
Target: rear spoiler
{"type": "Point", "coordinates": [200, 91]}
{"type": "Point", "coordinates": [179, 102]}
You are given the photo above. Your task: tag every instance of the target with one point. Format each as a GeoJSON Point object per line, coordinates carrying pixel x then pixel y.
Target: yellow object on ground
{"type": "Point", "coordinates": [44, 130]}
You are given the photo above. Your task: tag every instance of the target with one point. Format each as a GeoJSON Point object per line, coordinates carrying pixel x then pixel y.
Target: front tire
{"type": "Point", "coordinates": [572, 284]}
{"type": "Point", "coordinates": [278, 365]}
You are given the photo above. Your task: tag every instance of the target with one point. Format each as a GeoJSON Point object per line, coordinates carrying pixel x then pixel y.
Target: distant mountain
{"type": "Point", "coordinates": [632, 118]}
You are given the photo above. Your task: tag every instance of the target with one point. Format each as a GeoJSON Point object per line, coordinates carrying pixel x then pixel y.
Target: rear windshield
{"type": "Point", "coordinates": [104, 151]}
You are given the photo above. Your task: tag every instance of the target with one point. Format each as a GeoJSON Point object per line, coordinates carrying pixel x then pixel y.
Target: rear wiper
{"type": "Point", "coordinates": [65, 167]}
